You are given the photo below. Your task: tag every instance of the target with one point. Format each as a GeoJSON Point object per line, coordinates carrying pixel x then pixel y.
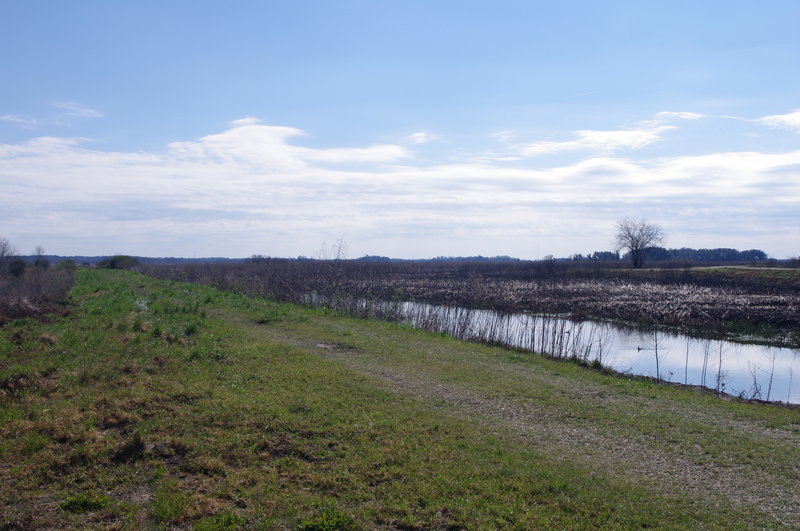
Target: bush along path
{"type": "Point", "coordinates": [156, 404]}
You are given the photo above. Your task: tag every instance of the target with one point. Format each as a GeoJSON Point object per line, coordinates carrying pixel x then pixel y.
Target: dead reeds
{"type": "Point", "coordinates": [33, 293]}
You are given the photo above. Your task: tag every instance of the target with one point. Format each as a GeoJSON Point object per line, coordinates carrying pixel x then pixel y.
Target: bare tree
{"type": "Point", "coordinates": [336, 252]}
{"type": "Point", "coordinates": [7, 252]}
{"type": "Point", "coordinates": [549, 262]}
{"type": "Point", "coordinates": [636, 235]}
{"type": "Point", "coordinates": [40, 261]}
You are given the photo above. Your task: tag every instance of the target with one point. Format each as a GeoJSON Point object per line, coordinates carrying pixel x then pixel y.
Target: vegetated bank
{"type": "Point", "coordinates": [721, 303]}
{"type": "Point", "coordinates": [162, 404]}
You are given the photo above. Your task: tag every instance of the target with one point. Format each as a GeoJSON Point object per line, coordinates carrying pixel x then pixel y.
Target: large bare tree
{"type": "Point", "coordinates": [636, 235]}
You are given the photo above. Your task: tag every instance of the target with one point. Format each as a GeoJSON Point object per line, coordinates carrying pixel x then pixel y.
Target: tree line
{"type": "Point", "coordinates": [640, 240]}
{"type": "Point", "coordinates": [661, 254]}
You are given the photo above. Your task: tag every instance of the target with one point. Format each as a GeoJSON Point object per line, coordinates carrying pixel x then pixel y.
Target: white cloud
{"type": "Point", "coordinates": [377, 153]}
{"type": "Point", "coordinates": [249, 143]}
{"type": "Point", "coordinates": [253, 189]}
{"type": "Point", "coordinates": [789, 121]}
{"type": "Point", "coordinates": [42, 147]}
{"type": "Point", "coordinates": [603, 141]}
{"type": "Point", "coordinates": [505, 136]}
{"type": "Point", "coordinates": [681, 115]}
{"type": "Point", "coordinates": [245, 121]}
{"type": "Point", "coordinates": [420, 137]}
{"type": "Point", "coordinates": [645, 133]}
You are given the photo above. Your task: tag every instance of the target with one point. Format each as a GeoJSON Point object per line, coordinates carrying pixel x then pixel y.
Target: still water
{"type": "Point", "coordinates": [739, 369]}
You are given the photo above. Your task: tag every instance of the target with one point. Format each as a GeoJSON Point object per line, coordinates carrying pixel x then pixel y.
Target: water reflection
{"type": "Point", "coordinates": [745, 370]}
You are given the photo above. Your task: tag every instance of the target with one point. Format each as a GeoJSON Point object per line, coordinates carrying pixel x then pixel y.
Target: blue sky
{"type": "Point", "coordinates": [407, 129]}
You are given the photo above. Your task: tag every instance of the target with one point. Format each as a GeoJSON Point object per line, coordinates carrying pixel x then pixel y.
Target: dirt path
{"type": "Point", "coordinates": [634, 456]}
{"type": "Point", "coordinates": [566, 429]}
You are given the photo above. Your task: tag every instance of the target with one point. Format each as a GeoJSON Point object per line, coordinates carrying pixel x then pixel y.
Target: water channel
{"type": "Point", "coordinates": [739, 369]}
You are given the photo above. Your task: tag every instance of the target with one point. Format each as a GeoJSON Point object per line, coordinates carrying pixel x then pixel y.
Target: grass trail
{"type": "Point", "coordinates": [166, 405]}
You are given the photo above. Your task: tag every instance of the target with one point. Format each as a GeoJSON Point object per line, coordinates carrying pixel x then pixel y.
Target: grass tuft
{"type": "Point", "coordinates": [169, 502]}
{"type": "Point", "coordinates": [221, 522]}
{"type": "Point", "coordinates": [84, 503]}
{"type": "Point", "coordinates": [327, 518]}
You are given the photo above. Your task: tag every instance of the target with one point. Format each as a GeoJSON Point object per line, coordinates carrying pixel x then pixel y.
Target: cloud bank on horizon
{"type": "Point", "coordinates": [486, 170]}
{"type": "Point", "coordinates": [253, 188]}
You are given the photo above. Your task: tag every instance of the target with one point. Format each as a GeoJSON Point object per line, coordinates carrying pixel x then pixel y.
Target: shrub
{"type": "Point", "coordinates": [119, 261]}
{"type": "Point", "coordinates": [66, 265]}
{"type": "Point", "coordinates": [16, 267]}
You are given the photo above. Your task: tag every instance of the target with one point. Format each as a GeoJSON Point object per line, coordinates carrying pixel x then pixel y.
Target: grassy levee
{"type": "Point", "coordinates": [167, 405]}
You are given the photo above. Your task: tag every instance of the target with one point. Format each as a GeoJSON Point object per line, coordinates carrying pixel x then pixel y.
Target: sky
{"type": "Point", "coordinates": [409, 129]}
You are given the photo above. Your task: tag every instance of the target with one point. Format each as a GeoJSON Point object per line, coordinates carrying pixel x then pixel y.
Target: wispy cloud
{"type": "Point", "coordinates": [420, 137]}
{"type": "Point", "coordinates": [645, 133]}
{"type": "Point", "coordinates": [78, 110]}
{"type": "Point", "coordinates": [70, 110]}
{"type": "Point", "coordinates": [250, 143]}
{"type": "Point", "coordinates": [245, 121]}
{"type": "Point", "coordinates": [25, 121]}
{"type": "Point", "coordinates": [42, 147]}
{"type": "Point", "coordinates": [665, 115]}
{"type": "Point", "coordinates": [603, 141]}
{"type": "Point", "coordinates": [374, 154]}
{"type": "Point", "coordinates": [505, 136]}
{"type": "Point", "coordinates": [789, 121]}
{"type": "Point", "coordinates": [64, 113]}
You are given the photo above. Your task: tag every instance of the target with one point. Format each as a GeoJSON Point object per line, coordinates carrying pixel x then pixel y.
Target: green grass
{"type": "Point", "coordinates": [83, 503]}
{"type": "Point", "coordinates": [157, 404]}
{"type": "Point", "coordinates": [169, 502]}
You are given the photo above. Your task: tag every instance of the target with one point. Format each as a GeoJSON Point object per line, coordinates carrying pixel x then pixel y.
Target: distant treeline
{"type": "Point", "coordinates": [654, 254]}
{"type": "Point", "coordinates": [492, 259]}
{"type": "Point", "coordinates": [96, 260]}
{"type": "Point", "coordinates": [93, 260]}
{"type": "Point", "coordinates": [660, 254]}
{"type": "Point", "coordinates": [385, 259]}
